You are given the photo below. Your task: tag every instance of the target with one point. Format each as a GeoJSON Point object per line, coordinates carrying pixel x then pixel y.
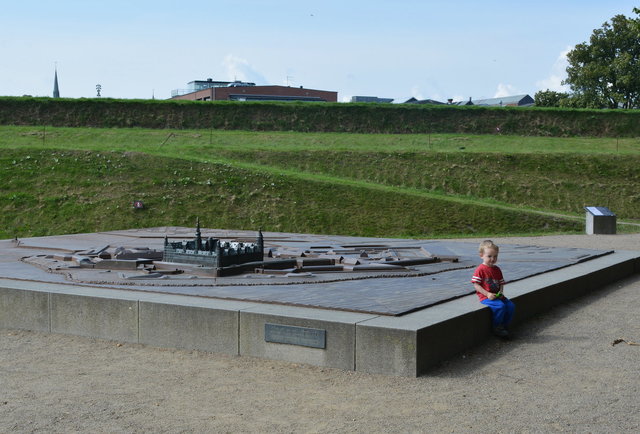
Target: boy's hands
{"type": "Point", "coordinates": [490, 295]}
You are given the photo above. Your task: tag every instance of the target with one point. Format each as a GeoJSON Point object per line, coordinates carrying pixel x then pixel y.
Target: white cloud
{"type": "Point", "coordinates": [416, 92]}
{"type": "Point", "coordinates": [506, 90]}
{"type": "Point", "coordinates": [557, 74]}
{"type": "Point", "coordinates": [241, 69]}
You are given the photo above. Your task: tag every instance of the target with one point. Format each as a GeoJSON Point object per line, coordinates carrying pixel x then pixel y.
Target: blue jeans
{"type": "Point", "coordinates": [501, 309]}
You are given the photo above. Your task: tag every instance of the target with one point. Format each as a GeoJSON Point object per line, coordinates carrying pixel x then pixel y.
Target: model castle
{"type": "Point", "coordinates": [213, 253]}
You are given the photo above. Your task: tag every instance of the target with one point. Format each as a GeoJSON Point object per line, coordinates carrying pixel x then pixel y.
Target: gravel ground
{"type": "Point", "coordinates": [560, 374]}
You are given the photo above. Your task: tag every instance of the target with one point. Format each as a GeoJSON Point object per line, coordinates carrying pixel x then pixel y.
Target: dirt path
{"type": "Point", "coordinates": [561, 373]}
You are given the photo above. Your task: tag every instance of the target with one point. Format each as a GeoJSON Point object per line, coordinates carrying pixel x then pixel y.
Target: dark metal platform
{"type": "Point", "coordinates": [382, 293]}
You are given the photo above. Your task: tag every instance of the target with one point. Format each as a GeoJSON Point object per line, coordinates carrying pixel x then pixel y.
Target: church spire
{"type": "Point", "coordinates": [56, 90]}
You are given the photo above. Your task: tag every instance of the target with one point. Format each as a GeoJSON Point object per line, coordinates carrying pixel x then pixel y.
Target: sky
{"type": "Point", "coordinates": [391, 49]}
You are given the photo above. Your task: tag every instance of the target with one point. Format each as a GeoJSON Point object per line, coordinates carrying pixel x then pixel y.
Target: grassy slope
{"type": "Point", "coordinates": [563, 183]}
{"type": "Point", "coordinates": [320, 188]}
{"type": "Point", "coordinates": [52, 192]}
{"type": "Point", "coordinates": [325, 117]}
{"type": "Point", "coordinates": [152, 140]}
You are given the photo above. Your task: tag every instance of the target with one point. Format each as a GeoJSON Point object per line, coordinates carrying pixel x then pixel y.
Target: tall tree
{"type": "Point", "coordinates": [549, 98]}
{"type": "Point", "coordinates": [605, 72]}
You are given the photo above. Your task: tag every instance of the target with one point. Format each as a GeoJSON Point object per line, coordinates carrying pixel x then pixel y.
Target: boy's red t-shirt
{"type": "Point", "coordinates": [490, 278]}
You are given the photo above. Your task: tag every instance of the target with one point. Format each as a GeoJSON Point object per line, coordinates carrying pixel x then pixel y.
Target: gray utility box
{"type": "Point", "coordinates": [600, 220]}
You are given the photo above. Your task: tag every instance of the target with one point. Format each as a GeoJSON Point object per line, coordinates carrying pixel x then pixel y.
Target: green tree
{"type": "Point", "coordinates": [605, 72]}
{"type": "Point", "coordinates": [550, 98]}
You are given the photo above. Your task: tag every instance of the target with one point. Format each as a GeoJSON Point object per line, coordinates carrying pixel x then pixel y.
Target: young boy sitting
{"type": "Point", "coordinates": [489, 284]}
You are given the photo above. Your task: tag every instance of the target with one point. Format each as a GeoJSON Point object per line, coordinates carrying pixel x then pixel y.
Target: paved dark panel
{"type": "Point", "coordinates": [401, 295]}
{"type": "Point", "coordinates": [385, 293]}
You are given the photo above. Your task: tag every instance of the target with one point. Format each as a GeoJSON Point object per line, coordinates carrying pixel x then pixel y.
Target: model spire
{"type": "Point", "coordinates": [198, 235]}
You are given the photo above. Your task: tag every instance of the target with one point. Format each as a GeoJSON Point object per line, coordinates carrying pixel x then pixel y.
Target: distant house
{"type": "Point", "coordinates": [506, 101]}
{"type": "Point", "coordinates": [413, 100]}
{"type": "Point", "coordinates": [370, 99]}
{"type": "Point", "coordinates": [462, 102]}
{"type": "Point", "coordinates": [209, 90]}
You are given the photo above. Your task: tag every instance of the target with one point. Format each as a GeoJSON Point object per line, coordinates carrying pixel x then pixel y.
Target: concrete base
{"type": "Point", "coordinates": [405, 345]}
{"type": "Point", "coordinates": [411, 344]}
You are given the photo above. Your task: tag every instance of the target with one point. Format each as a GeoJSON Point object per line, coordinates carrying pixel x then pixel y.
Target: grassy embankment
{"type": "Point", "coordinates": [61, 180]}
{"type": "Point", "coordinates": [325, 117]}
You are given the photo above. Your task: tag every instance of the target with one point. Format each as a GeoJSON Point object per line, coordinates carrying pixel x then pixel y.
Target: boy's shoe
{"type": "Point", "coordinates": [500, 332]}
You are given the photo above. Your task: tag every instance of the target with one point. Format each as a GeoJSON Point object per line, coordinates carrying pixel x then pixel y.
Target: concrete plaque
{"type": "Point", "coordinates": [302, 336]}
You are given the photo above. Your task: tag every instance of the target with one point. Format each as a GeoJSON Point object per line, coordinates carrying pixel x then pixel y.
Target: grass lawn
{"type": "Point", "coordinates": [149, 140]}
{"type": "Point", "coordinates": [57, 180]}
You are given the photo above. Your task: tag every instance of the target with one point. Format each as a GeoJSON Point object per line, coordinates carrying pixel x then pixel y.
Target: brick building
{"type": "Point", "coordinates": [241, 91]}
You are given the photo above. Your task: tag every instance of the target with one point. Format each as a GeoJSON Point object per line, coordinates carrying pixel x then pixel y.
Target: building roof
{"type": "Point", "coordinates": [197, 85]}
{"type": "Point", "coordinates": [258, 97]}
{"type": "Point", "coordinates": [514, 100]}
{"type": "Point", "coordinates": [422, 101]}
{"type": "Point", "coordinates": [375, 99]}
{"type": "Point", "coordinates": [469, 102]}
{"type": "Point", "coordinates": [260, 93]}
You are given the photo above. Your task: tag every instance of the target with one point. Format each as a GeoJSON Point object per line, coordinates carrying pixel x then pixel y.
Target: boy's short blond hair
{"type": "Point", "coordinates": [487, 244]}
